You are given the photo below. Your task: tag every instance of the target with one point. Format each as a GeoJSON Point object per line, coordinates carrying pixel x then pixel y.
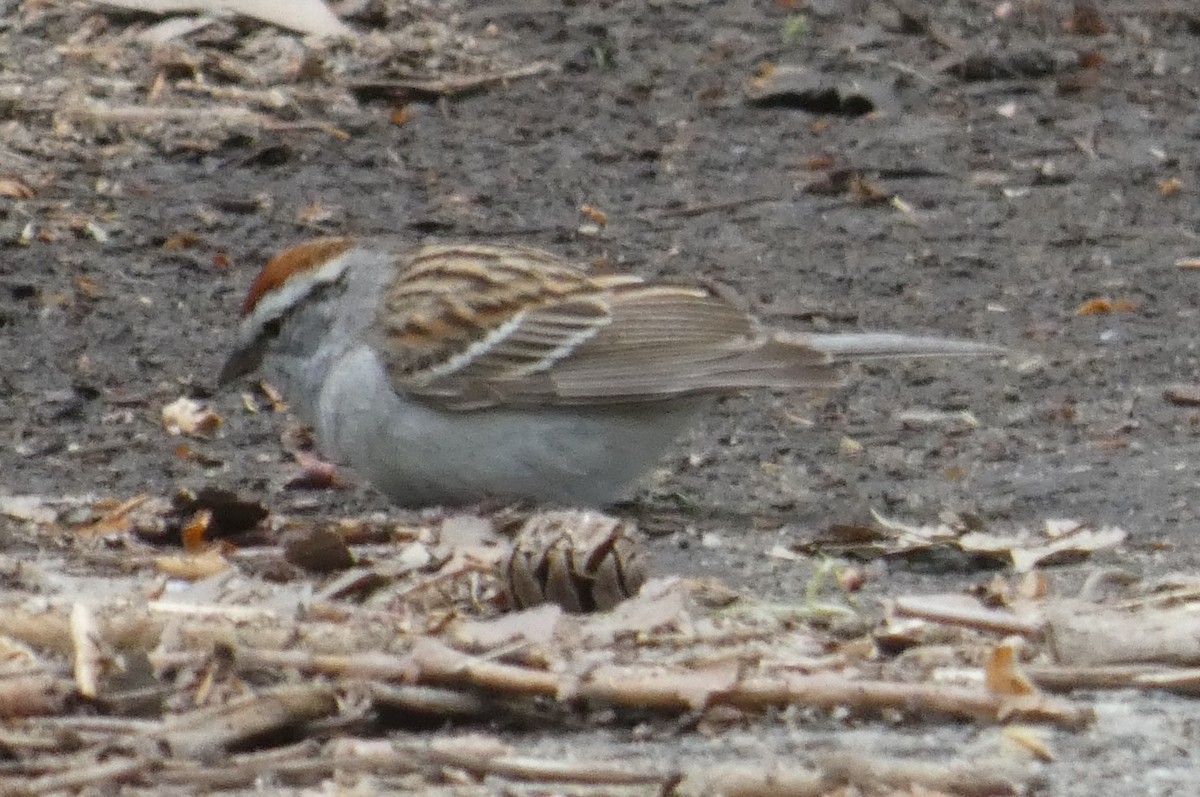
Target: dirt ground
{"type": "Point", "coordinates": [1038, 160]}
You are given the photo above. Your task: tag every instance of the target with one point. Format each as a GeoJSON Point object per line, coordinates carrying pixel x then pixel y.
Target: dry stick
{"type": "Point", "coordinates": [471, 759]}
{"type": "Point", "coordinates": [959, 778]}
{"type": "Point", "coordinates": [89, 659]}
{"type": "Point", "coordinates": [307, 759]}
{"type": "Point", "coordinates": [753, 781]}
{"type": "Point", "coordinates": [269, 99]}
{"type": "Point", "coordinates": [979, 619]}
{"type": "Point", "coordinates": [457, 85]}
{"type": "Point", "coordinates": [135, 114]}
{"type": "Point", "coordinates": [658, 688]}
{"type": "Point", "coordinates": [106, 773]}
{"type": "Point", "coordinates": [434, 663]}
{"type": "Point", "coordinates": [444, 703]}
{"type": "Point", "coordinates": [50, 630]}
{"type": "Point", "coordinates": [1184, 681]}
{"type": "Point", "coordinates": [1090, 635]}
{"type": "Point", "coordinates": [714, 207]}
{"type": "Point", "coordinates": [207, 731]}
{"type": "Point", "coordinates": [1054, 678]}
{"type": "Point", "coordinates": [33, 695]}
{"type": "Point", "coordinates": [368, 666]}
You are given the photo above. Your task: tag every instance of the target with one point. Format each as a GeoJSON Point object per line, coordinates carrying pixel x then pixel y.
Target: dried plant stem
{"type": "Point", "coordinates": [208, 731]}
{"type": "Point", "coordinates": [979, 619]}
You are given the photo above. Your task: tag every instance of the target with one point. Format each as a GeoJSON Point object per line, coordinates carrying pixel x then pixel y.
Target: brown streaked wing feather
{"type": "Point", "coordinates": [668, 341]}
{"type": "Point", "coordinates": [477, 326]}
{"type": "Point", "coordinates": [466, 323]}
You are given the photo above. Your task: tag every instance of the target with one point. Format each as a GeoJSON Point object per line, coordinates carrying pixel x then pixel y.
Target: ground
{"type": "Point", "coordinates": [1018, 162]}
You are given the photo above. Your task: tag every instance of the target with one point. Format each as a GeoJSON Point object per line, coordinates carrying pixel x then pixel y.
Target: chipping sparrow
{"type": "Point", "coordinates": [455, 374]}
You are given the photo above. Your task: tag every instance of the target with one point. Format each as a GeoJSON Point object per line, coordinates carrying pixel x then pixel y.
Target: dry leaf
{"type": "Point", "coordinates": [194, 530]}
{"type": "Point", "coordinates": [1102, 305]}
{"type": "Point", "coordinates": [12, 188]}
{"type": "Point", "coordinates": [88, 287]}
{"type": "Point", "coordinates": [1031, 740]}
{"type": "Point", "coordinates": [1001, 675]}
{"type": "Point", "coordinates": [315, 474]}
{"type": "Point", "coordinates": [180, 241]}
{"type": "Point", "coordinates": [595, 215]}
{"type": "Point", "coordinates": [401, 115]}
{"type": "Point", "coordinates": [1170, 187]}
{"type": "Point", "coordinates": [116, 520]}
{"type": "Point", "coordinates": [536, 626]}
{"type": "Point", "coordinates": [187, 417]}
{"type": "Point", "coordinates": [1060, 540]}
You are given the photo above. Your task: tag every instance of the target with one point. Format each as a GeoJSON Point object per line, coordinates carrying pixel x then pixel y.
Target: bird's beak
{"type": "Point", "coordinates": [241, 362]}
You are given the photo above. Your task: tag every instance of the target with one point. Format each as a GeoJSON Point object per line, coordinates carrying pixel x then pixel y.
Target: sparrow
{"type": "Point", "coordinates": [458, 374]}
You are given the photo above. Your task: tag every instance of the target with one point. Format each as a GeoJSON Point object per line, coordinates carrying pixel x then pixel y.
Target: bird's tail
{"type": "Point", "coordinates": [843, 347]}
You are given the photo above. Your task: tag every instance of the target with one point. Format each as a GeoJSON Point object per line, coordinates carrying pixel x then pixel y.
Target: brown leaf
{"type": "Point", "coordinates": [180, 241]}
{"type": "Point", "coordinates": [1170, 187]}
{"type": "Point", "coordinates": [1001, 675]}
{"type": "Point", "coordinates": [187, 417]}
{"type": "Point", "coordinates": [1102, 305]}
{"type": "Point", "coordinates": [194, 530]}
{"type": "Point", "coordinates": [315, 474]}
{"type": "Point", "coordinates": [12, 188]}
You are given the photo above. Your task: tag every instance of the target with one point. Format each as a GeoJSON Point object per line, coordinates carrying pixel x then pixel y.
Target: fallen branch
{"type": "Point", "coordinates": [979, 619]}
{"type": "Point", "coordinates": [33, 695]}
{"type": "Point", "coordinates": [450, 86]}
{"type": "Point", "coordinates": [981, 779]}
{"type": "Point", "coordinates": [659, 688]}
{"type": "Point", "coordinates": [108, 773]}
{"type": "Point", "coordinates": [202, 733]}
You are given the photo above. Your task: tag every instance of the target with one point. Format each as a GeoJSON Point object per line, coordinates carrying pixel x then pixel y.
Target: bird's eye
{"type": "Point", "coordinates": [271, 328]}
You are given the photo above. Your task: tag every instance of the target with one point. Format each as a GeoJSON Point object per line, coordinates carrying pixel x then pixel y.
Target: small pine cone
{"type": "Point", "coordinates": [582, 561]}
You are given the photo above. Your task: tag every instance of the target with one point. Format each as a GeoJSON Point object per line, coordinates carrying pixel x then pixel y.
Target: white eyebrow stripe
{"type": "Point", "coordinates": [278, 301]}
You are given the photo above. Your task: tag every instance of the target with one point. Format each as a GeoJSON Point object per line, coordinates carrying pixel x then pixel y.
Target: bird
{"type": "Point", "coordinates": [461, 374]}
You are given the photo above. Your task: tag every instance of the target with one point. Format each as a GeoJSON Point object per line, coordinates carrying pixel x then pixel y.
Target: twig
{"type": "Point", "coordinates": [960, 778]}
{"type": "Point", "coordinates": [979, 619]}
{"type": "Point", "coordinates": [442, 703]}
{"type": "Point", "coordinates": [269, 99]}
{"type": "Point", "coordinates": [85, 636]}
{"type": "Point", "coordinates": [450, 86]}
{"type": "Point", "coordinates": [141, 114]}
{"type": "Point", "coordinates": [764, 780]}
{"type": "Point", "coordinates": [109, 772]}
{"type": "Point", "coordinates": [208, 731]}
{"type": "Point", "coordinates": [474, 757]}
{"type": "Point", "coordinates": [713, 207]}
{"type": "Point", "coordinates": [1118, 676]}
{"type": "Point", "coordinates": [33, 695]}
{"type": "Point", "coordinates": [659, 688]}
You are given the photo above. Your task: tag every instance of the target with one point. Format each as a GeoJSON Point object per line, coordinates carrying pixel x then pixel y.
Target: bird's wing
{"type": "Point", "coordinates": [477, 326]}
